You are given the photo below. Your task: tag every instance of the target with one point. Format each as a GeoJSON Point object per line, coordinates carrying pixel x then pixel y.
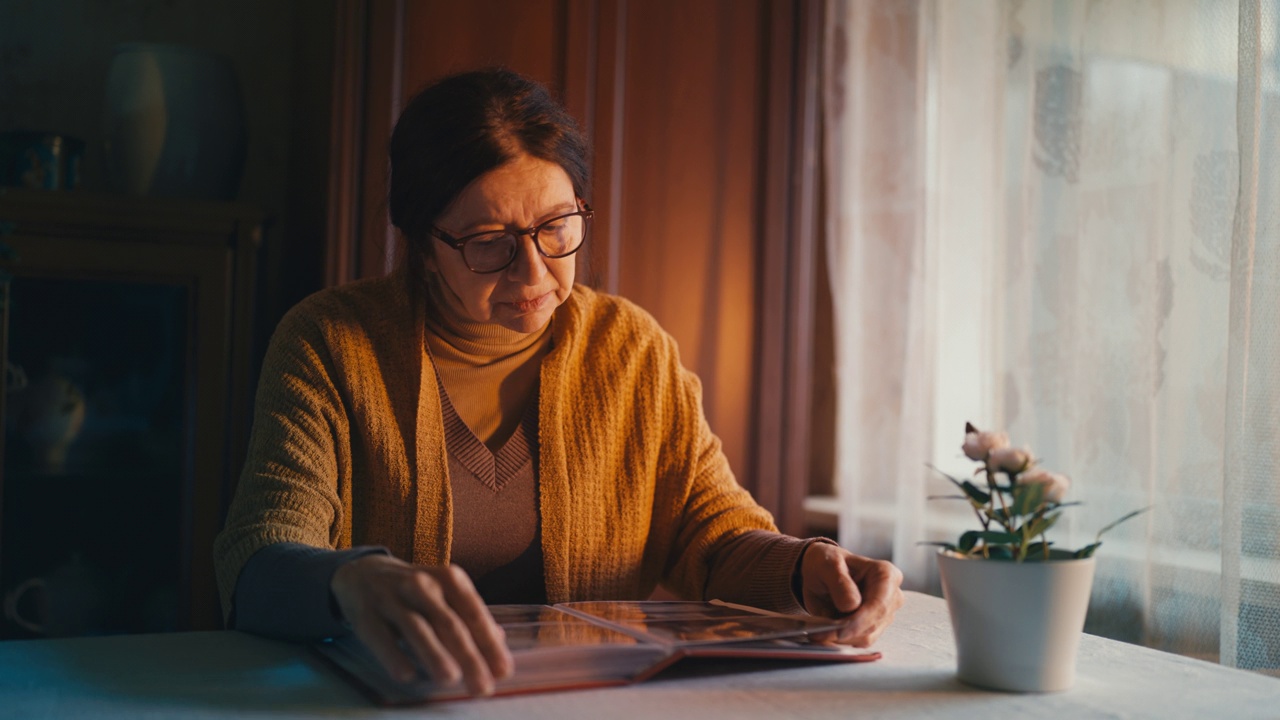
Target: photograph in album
{"type": "Point", "coordinates": [598, 644]}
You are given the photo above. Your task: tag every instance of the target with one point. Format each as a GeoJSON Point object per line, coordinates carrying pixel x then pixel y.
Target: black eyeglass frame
{"type": "Point", "coordinates": [457, 243]}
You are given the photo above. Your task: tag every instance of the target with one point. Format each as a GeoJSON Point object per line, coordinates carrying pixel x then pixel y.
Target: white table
{"type": "Point", "coordinates": [221, 674]}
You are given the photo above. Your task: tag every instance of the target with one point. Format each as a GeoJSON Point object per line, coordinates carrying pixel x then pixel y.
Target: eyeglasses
{"type": "Point", "coordinates": [490, 252]}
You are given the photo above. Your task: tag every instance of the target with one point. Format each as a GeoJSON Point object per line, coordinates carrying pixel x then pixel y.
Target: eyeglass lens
{"type": "Point", "coordinates": [494, 251]}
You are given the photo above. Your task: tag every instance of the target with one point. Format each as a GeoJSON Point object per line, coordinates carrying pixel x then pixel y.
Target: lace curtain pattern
{"type": "Point", "coordinates": [1062, 219]}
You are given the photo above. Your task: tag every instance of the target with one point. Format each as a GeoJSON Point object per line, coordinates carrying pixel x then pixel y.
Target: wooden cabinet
{"type": "Point", "coordinates": [126, 407]}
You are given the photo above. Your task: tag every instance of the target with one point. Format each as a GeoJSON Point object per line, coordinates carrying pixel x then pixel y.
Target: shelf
{"type": "Point", "coordinates": [135, 314]}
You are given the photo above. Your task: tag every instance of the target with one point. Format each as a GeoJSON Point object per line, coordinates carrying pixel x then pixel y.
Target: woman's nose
{"type": "Point", "coordinates": [529, 267]}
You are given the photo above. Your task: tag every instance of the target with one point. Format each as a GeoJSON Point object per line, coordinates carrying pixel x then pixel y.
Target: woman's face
{"type": "Point", "coordinates": [517, 195]}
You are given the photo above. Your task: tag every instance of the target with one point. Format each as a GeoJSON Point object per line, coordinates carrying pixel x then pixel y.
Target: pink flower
{"type": "Point", "coordinates": [1055, 485]}
{"type": "Point", "coordinates": [1010, 460]}
{"type": "Point", "coordinates": [977, 445]}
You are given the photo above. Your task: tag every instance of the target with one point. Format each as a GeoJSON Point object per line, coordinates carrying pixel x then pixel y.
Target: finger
{"type": "Point", "coordinates": [884, 598]}
{"type": "Point", "coordinates": [427, 647]}
{"type": "Point", "coordinates": [489, 637]}
{"type": "Point", "coordinates": [883, 586]}
{"type": "Point", "coordinates": [864, 628]}
{"type": "Point", "coordinates": [432, 599]}
{"type": "Point", "coordinates": [829, 637]}
{"type": "Point", "coordinates": [845, 594]}
{"type": "Point", "coordinates": [818, 605]}
{"type": "Point", "coordinates": [381, 641]}
{"type": "Point", "coordinates": [866, 625]}
{"type": "Point", "coordinates": [835, 591]}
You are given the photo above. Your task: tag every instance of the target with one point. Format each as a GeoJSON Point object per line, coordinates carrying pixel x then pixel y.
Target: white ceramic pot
{"type": "Point", "coordinates": [1017, 625]}
{"type": "Point", "coordinates": [174, 123]}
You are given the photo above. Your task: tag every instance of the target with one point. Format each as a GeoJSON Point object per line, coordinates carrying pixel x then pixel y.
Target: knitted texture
{"type": "Point", "coordinates": [348, 447]}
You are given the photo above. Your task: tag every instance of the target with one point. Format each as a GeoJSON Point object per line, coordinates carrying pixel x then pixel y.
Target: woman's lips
{"type": "Point", "coordinates": [528, 306]}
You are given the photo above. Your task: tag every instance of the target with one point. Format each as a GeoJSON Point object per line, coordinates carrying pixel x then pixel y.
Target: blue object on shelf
{"type": "Point", "coordinates": [40, 160]}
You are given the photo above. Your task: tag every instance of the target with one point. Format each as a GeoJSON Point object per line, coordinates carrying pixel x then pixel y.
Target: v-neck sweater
{"type": "Point", "coordinates": [495, 501]}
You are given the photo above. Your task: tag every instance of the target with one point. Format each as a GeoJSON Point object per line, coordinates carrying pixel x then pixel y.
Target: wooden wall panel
{"type": "Point", "coordinates": [446, 36]}
{"type": "Point", "coordinates": [690, 160]}
{"type": "Point", "coordinates": [380, 101]}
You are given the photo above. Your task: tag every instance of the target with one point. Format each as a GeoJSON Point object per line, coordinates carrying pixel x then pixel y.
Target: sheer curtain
{"type": "Point", "coordinates": [1062, 219]}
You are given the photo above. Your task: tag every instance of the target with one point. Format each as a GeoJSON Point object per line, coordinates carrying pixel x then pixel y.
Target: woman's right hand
{"type": "Point", "coordinates": [436, 611]}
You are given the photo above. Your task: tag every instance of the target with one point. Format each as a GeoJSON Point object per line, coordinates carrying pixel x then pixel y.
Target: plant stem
{"type": "Point", "coordinates": [986, 522]}
{"type": "Point", "coordinates": [1022, 545]}
{"type": "Point", "coordinates": [995, 490]}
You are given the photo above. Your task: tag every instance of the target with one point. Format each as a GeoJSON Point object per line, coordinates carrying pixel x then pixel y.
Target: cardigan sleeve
{"type": "Point", "coordinates": [757, 568]}
{"type": "Point", "coordinates": [712, 508]}
{"type": "Point", "coordinates": [288, 490]}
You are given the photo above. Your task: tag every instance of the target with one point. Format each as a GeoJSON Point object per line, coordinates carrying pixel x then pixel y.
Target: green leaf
{"type": "Point", "coordinates": [1088, 550]}
{"type": "Point", "coordinates": [1040, 524]}
{"type": "Point", "coordinates": [968, 540]}
{"type": "Point", "coordinates": [1129, 516]}
{"type": "Point", "coordinates": [1027, 498]}
{"type": "Point", "coordinates": [969, 488]}
{"type": "Point", "coordinates": [1038, 550]}
{"type": "Point", "coordinates": [945, 545]}
{"type": "Point", "coordinates": [995, 537]}
{"type": "Point", "coordinates": [974, 493]}
{"type": "Point", "coordinates": [1000, 552]}
{"type": "Point", "coordinates": [934, 468]}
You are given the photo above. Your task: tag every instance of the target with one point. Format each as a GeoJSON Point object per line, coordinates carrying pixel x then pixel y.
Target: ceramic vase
{"type": "Point", "coordinates": [1017, 625]}
{"type": "Point", "coordinates": [174, 123]}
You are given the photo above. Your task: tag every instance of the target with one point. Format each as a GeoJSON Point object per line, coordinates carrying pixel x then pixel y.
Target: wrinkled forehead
{"type": "Point", "coordinates": [519, 192]}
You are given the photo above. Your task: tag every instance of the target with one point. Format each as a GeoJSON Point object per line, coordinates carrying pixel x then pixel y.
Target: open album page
{"type": "Point", "coordinates": [552, 649]}
{"type": "Point", "coordinates": [716, 629]}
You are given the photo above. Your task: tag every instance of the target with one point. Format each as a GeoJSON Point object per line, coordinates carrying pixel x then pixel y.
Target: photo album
{"type": "Point", "coordinates": [597, 644]}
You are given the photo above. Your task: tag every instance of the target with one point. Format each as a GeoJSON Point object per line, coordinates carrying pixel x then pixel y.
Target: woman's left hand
{"type": "Point", "coordinates": [836, 583]}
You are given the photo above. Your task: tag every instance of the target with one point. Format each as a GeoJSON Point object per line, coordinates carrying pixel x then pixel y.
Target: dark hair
{"type": "Point", "coordinates": [463, 126]}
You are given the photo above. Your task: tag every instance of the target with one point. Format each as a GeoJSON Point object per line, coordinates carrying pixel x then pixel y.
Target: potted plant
{"type": "Point", "coordinates": [1017, 603]}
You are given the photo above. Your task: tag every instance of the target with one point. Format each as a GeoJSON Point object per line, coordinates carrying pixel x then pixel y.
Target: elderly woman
{"type": "Point", "coordinates": [474, 428]}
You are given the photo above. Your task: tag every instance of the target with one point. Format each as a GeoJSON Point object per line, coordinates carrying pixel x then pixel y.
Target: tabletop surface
{"type": "Point", "coordinates": [220, 674]}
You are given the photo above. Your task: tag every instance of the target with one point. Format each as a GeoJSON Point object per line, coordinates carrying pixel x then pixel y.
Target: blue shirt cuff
{"type": "Point", "coordinates": [283, 591]}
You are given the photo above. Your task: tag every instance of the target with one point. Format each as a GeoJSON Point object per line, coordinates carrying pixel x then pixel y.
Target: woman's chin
{"type": "Point", "coordinates": [525, 322]}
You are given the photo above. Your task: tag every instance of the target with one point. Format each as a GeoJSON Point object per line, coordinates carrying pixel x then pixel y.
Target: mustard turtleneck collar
{"type": "Point", "coordinates": [461, 336]}
{"type": "Point", "coordinates": [489, 372]}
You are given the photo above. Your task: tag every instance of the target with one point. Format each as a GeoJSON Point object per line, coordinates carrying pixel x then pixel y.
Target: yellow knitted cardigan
{"type": "Point", "coordinates": [348, 446]}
